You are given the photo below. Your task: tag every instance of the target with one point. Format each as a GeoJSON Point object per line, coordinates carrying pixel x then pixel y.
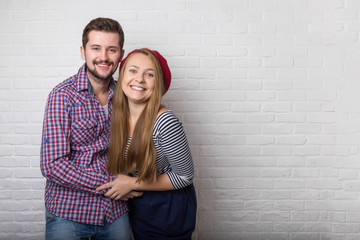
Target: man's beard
{"type": "Point", "coordinates": [94, 73]}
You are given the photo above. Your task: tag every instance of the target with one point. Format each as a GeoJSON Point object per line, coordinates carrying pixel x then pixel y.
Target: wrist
{"type": "Point", "coordinates": [129, 181]}
{"type": "Point", "coordinates": [136, 184]}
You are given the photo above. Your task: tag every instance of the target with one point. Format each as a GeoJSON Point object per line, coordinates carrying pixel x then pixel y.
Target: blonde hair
{"type": "Point", "coordinates": [141, 153]}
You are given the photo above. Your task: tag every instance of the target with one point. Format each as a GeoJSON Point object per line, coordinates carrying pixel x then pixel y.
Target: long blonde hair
{"type": "Point", "coordinates": [141, 152]}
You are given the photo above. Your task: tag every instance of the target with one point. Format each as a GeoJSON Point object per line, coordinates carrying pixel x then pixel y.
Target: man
{"type": "Point", "coordinates": [75, 141]}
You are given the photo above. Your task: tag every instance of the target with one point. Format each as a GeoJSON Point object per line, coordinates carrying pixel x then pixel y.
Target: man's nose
{"type": "Point", "coordinates": [104, 55]}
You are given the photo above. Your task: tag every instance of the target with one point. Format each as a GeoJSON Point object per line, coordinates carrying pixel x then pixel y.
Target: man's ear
{"type": "Point", "coordinates": [122, 55]}
{"type": "Point", "coordinates": [82, 51]}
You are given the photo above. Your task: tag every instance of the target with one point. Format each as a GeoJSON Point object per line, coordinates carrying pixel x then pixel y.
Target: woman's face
{"type": "Point", "coordinates": [139, 78]}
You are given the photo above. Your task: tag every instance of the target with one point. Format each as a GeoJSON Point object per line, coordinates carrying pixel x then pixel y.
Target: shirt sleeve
{"type": "Point", "coordinates": [176, 149]}
{"type": "Point", "coordinates": [55, 151]}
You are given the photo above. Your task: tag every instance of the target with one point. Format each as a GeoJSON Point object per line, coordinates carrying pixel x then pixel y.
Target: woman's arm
{"type": "Point", "coordinates": [175, 148]}
{"type": "Point", "coordinates": [124, 184]}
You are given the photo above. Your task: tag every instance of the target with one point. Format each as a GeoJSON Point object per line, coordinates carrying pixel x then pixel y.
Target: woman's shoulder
{"type": "Point", "coordinates": [161, 111]}
{"type": "Point", "coordinates": [165, 119]}
{"type": "Point", "coordinates": [165, 114]}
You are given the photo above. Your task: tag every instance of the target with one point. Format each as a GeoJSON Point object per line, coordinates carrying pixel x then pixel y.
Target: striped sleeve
{"type": "Point", "coordinates": [175, 150]}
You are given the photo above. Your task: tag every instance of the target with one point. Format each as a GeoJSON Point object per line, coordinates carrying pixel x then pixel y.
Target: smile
{"type": "Point", "coordinates": [103, 64]}
{"type": "Point", "coordinates": [137, 88]}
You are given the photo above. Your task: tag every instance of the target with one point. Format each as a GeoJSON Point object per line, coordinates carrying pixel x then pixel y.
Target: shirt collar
{"type": "Point", "coordinates": [83, 82]}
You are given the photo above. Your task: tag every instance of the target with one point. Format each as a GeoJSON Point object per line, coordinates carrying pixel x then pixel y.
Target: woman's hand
{"type": "Point", "coordinates": [121, 188]}
{"type": "Point", "coordinates": [130, 195]}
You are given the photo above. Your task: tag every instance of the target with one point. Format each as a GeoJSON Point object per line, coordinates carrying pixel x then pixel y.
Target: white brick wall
{"type": "Point", "coordinates": [268, 91]}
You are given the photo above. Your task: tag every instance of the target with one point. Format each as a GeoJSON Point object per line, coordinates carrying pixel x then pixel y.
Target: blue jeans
{"type": "Point", "coordinates": [58, 228]}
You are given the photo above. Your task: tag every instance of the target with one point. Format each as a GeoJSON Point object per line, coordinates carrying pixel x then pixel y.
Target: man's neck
{"type": "Point", "coordinates": [101, 89]}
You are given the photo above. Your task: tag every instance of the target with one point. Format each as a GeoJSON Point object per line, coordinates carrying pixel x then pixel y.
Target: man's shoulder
{"type": "Point", "coordinates": [65, 85]}
{"type": "Point", "coordinates": [70, 84]}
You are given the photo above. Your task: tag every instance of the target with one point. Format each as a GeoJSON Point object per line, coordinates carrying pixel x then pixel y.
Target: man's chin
{"type": "Point", "coordinates": [100, 77]}
{"type": "Point", "coordinates": [104, 78]}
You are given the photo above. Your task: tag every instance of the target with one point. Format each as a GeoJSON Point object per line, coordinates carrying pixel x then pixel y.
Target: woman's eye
{"type": "Point", "coordinates": [132, 70]}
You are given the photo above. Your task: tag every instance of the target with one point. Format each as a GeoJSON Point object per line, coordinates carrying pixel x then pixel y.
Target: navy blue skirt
{"type": "Point", "coordinates": [164, 215]}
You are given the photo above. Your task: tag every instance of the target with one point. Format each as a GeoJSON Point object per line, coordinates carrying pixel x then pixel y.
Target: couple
{"type": "Point", "coordinates": [138, 171]}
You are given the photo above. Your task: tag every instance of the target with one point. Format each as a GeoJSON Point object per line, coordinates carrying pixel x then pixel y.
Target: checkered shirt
{"type": "Point", "coordinates": [74, 153]}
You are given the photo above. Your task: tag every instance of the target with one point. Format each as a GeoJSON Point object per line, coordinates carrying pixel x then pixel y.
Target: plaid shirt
{"type": "Point", "coordinates": [74, 153]}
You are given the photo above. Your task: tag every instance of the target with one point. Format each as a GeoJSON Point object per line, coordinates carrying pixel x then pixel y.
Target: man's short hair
{"type": "Point", "coordinates": [104, 25]}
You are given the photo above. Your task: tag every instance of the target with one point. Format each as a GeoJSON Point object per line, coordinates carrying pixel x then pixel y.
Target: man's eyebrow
{"type": "Point", "coordinates": [98, 45]}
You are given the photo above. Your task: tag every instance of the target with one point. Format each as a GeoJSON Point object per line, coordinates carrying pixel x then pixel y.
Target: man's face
{"type": "Point", "coordinates": [102, 55]}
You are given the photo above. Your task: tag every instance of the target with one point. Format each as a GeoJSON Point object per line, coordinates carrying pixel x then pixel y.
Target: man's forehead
{"type": "Point", "coordinates": [103, 38]}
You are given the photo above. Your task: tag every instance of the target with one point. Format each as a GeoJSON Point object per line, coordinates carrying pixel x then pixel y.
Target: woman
{"type": "Point", "coordinates": [149, 152]}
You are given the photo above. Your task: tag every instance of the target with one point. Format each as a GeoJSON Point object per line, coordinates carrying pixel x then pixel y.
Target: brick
{"type": "Point", "coordinates": [262, 28]}
{"type": "Point", "coordinates": [248, 40]}
{"type": "Point", "coordinates": [246, 85]}
{"type": "Point", "coordinates": [275, 173]}
{"type": "Point", "coordinates": [278, 107]}
{"type": "Point", "coordinates": [289, 183]}
{"type": "Point", "coordinates": [234, 172]}
{"type": "Point", "coordinates": [304, 216]}
{"type": "Point", "coordinates": [260, 140]}
{"type": "Point", "coordinates": [291, 227]}
{"type": "Point", "coordinates": [259, 205]}
{"type": "Point", "coordinates": [28, 173]}
{"type": "Point", "coordinates": [275, 151]}
{"type": "Point", "coordinates": [274, 216]}
{"type": "Point", "coordinates": [276, 195]}
{"type": "Point", "coordinates": [263, 5]}
{"type": "Point", "coordinates": [229, 215]}
{"type": "Point", "coordinates": [346, 227]}
{"type": "Point", "coordinates": [259, 184]}
{"type": "Point", "coordinates": [310, 194]}
{"type": "Point", "coordinates": [279, 62]}
{"type": "Point", "coordinates": [281, 84]}
{"type": "Point", "coordinates": [291, 118]}
{"type": "Point", "coordinates": [263, 96]}
{"type": "Point", "coordinates": [212, 85]}
{"type": "Point", "coordinates": [247, 63]}
{"type": "Point", "coordinates": [306, 151]}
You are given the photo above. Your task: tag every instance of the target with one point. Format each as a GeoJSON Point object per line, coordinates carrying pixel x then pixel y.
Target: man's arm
{"type": "Point", "coordinates": [55, 149]}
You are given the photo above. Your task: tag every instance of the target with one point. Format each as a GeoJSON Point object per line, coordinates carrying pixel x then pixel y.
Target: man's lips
{"type": "Point", "coordinates": [103, 65]}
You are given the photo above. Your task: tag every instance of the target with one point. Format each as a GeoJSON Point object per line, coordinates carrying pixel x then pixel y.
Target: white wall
{"type": "Point", "coordinates": [268, 91]}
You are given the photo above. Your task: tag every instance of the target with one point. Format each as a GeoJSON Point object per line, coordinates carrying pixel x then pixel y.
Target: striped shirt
{"type": "Point", "coordinates": [173, 152]}
{"type": "Point", "coordinates": [74, 153]}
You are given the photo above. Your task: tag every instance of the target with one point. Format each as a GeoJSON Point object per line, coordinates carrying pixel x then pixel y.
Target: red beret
{"type": "Point", "coordinates": [163, 63]}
